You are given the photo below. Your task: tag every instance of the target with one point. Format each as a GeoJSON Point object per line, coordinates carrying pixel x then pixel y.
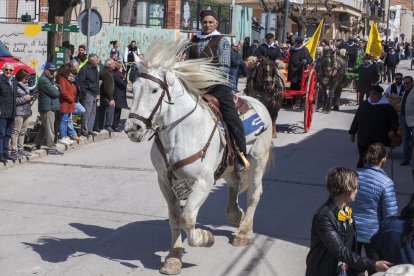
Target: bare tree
{"type": "Point", "coordinates": [58, 8]}
{"type": "Point", "coordinates": [126, 12]}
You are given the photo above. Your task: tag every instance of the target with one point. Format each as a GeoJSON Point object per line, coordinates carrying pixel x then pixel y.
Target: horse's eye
{"type": "Point", "coordinates": [154, 91]}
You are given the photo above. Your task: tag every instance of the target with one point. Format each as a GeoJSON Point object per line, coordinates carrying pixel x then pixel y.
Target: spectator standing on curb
{"type": "Point", "coordinates": [375, 200]}
{"type": "Point", "coordinates": [89, 87]}
{"type": "Point", "coordinates": [107, 107]}
{"type": "Point", "coordinates": [49, 92]}
{"type": "Point", "coordinates": [8, 92]}
{"type": "Point", "coordinates": [120, 97]}
{"type": "Point", "coordinates": [407, 119]}
{"type": "Point", "coordinates": [115, 50]}
{"type": "Point", "coordinates": [375, 121]}
{"type": "Point", "coordinates": [235, 63]}
{"type": "Point", "coordinates": [333, 231]}
{"type": "Point", "coordinates": [81, 52]}
{"type": "Point", "coordinates": [67, 101]}
{"type": "Point", "coordinates": [79, 109]}
{"type": "Point", "coordinates": [23, 113]}
{"type": "Point", "coordinates": [394, 241]}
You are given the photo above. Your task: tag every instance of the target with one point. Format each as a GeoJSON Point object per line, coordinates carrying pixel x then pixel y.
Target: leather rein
{"type": "Point", "coordinates": [148, 123]}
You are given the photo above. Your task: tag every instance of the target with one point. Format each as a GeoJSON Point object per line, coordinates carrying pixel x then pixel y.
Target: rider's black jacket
{"type": "Point", "coordinates": [333, 241]}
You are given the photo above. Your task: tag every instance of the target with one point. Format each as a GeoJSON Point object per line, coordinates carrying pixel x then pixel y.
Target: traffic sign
{"type": "Point", "coordinates": [50, 27]}
{"type": "Point", "coordinates": [70, 28]}
{"type": "Point", "coordinates": [95, 22]}
{"type": "Point", "coordinates": [53, 27]}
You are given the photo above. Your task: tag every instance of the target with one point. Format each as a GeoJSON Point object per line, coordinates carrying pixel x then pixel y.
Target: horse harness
{"type": "Point", "coordinates": [148, 123]}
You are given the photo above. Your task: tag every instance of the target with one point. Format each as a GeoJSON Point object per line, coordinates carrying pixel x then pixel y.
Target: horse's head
{"type": "Point", "coordinates": [327, 62]}
{"type": "Point", "coordinates": [151, 93]}
{"type": "Point", "coordinates": [266, 72]}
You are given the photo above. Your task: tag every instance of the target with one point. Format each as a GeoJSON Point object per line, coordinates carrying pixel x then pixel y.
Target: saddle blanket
{"type": "Point", "coordinates": [253, 125]}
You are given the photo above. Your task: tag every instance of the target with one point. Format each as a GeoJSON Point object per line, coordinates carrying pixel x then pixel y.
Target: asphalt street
{"type": "Point", "coordinates": [98, 209]}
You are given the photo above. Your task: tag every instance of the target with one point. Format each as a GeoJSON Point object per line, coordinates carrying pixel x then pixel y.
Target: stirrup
{"type": "Point", "coordinates": [246, 163]}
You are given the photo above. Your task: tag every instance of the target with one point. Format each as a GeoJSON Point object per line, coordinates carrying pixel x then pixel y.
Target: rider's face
{"type": "Point", "coordinates": [209, 24]}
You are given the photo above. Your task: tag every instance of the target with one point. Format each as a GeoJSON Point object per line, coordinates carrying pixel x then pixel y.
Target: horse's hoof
{"type": "Point", "coordinates": [210, 240]}
{"type": "Point", "coordinates": [241, 240]}
{"type": "Point", "coordinates": [172, 266]}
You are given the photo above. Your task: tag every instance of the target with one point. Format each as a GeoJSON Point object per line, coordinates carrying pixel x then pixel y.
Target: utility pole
{"type": "Point", "coordinates": [88, 4]}
{"type": "Point", "coordinates": [388, 22]}
{"type": "Point", "coordinates": [286, 21]}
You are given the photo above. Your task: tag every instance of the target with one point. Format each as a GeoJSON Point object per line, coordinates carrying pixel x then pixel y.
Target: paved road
{"type": "Point", "coordinates": [98, 210]}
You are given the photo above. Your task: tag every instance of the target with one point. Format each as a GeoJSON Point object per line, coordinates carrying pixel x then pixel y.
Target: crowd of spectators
{"type": "Point", "coordinates": [78, 88]}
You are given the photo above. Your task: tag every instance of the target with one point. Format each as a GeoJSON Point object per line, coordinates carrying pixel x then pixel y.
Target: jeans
{"type": "Point", "coordinates": [65, 118]}
{"type": "Point", "coordinates": [89, 103]}
{"type": "Point", "coordinates": [407, 137]}
{"type": "Point", "coordinates": [79, 110]}
{"type": "Point", "coordinates": [390, 73]}
{"type": "Point", "coordinates": [46, 130]}
{"type": "Point", "coordinates": [19, 132]}
{"type": "Point", "coordinates": [234, 77]}
{"type": "Point", "coordinates": [6, 125]}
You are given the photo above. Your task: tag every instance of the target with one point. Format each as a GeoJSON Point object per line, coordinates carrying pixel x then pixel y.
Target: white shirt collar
{"type": "Point", "coordinates": [200, 34]}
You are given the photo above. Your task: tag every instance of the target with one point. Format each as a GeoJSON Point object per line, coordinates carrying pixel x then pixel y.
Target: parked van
{"type": "Point", "coordinates": [6, 56]}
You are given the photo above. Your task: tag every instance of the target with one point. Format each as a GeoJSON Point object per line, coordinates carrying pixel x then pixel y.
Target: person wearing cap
{"type": "Point", "coordinates": [375, 121]}
{"type": "Point", "coordinates": [367, 75]}
{"type": "Point", "coordinates": [48, 105]}
{"type": "Point", "coordinates": [269, 49]}
{"type": "Point", "coordinates": [209, 43]}
{"type": "Point", "coordinates": [8, 94]}
{"type": "Point", "coordinates": [299, 56]}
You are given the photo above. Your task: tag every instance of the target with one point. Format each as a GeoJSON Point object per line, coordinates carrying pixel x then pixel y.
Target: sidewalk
{"type": "Point", "coordinates": [103, 135]}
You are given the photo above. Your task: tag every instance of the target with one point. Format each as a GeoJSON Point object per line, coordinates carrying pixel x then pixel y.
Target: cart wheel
{"type": "Point", "coordinates": [311, 100]}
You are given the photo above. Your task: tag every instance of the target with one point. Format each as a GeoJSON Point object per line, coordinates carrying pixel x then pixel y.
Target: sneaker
{"type": "Point", "coordinates": [67, 139]}
{"type": "Point", "coordinates": [64, 141]}
{"type": "Point", "coordinates": [54, 152]}
{"type": "Point", "coordinates": [75, 138]}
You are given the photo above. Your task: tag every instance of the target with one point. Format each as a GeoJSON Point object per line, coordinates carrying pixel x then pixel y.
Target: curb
{"type": "Point", "coordinates": [103, 135]}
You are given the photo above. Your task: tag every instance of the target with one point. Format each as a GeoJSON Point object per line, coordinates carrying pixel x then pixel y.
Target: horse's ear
{"type": "Point", "coordinates": [169, 77]}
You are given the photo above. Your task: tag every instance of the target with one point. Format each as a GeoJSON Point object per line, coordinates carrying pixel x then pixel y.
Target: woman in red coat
{"type": "Point", "coordinates": [67, 101]}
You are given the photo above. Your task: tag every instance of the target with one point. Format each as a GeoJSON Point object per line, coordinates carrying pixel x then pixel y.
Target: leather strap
{"type": "Point", "coordinates": [186, 161]}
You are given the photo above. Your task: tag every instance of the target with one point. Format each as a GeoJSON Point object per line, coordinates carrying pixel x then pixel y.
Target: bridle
{"type": "Point", "coordinates": [164, 86]}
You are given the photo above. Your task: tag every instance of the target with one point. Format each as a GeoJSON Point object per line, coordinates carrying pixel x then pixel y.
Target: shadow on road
{"type": "Point", "coordinates": [134, 241]}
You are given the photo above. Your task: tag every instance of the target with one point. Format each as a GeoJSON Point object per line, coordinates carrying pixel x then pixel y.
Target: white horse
{"type": "Point", "coordinates": [167, 103]}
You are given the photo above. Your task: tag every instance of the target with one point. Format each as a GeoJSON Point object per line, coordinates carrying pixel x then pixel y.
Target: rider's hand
{"type": "Point", "coordinates": [382, 265]}
{"type": "Point", "coordinates": [111, 103]}
{"type": "Point", "coordinates": [352, 136]}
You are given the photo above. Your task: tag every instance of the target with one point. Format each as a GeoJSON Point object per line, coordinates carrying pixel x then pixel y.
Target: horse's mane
{"type": "Point", "coordinates": [196, 75]}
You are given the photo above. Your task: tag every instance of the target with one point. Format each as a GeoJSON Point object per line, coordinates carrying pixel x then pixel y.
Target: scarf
{"type": "Point", "coordinates": [200, 34]}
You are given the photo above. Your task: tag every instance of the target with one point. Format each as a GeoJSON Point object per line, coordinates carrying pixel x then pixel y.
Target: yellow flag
{"type": "Point", "coordinates": [312, 43]}
{"type": "Point", "coordinates": [374, 47]}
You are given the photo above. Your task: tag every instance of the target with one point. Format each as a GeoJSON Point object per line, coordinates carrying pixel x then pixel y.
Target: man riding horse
{"type": "Point", "coordinates": [209, 43]}
{"type": "Point", "coordinates": [269, 49]}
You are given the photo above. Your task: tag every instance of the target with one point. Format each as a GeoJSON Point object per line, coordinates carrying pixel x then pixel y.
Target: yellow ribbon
{"type": "Point", "coordinates": [345, 215]}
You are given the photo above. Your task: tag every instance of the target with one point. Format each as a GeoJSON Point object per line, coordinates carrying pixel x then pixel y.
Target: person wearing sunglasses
{"type": "Point", "coordinates": [8, 92]}
{"type": "Point", "coordinates": [397, 87]}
